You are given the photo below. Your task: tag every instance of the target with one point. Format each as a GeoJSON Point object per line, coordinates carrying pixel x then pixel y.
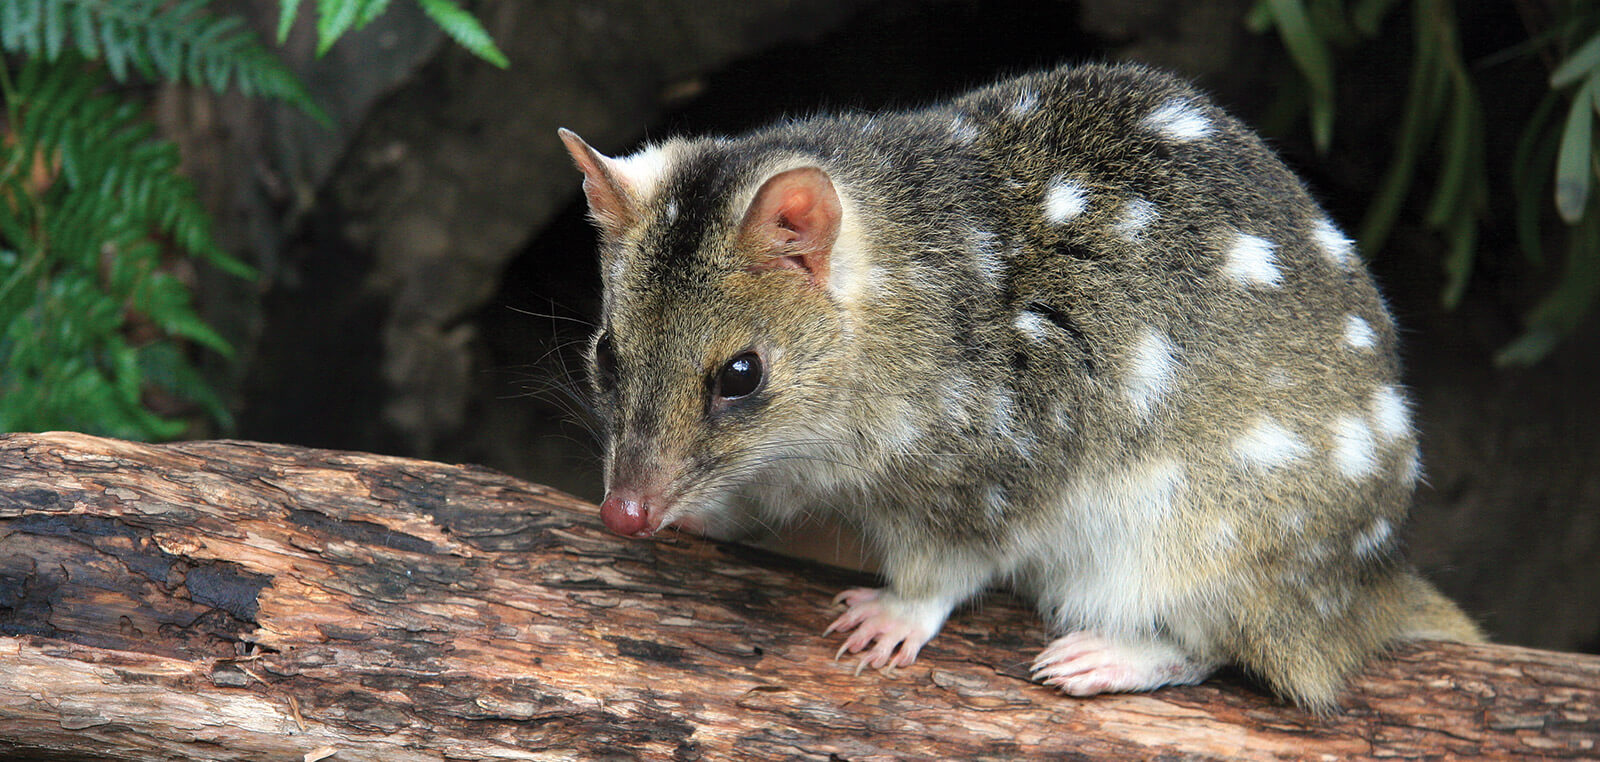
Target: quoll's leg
{"type": "Point", "coordinates": [896, 628]}
{"type": "Point", "coordinates": [889, 626]}
{"type": "Point", "coordinates": [1086, 663]}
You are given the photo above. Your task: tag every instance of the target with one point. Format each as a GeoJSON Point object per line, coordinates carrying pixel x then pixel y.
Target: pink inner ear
{"type": "Point", "coordinates": [609, 198]}
{"type": "Point", "coordinates": [794, 220]}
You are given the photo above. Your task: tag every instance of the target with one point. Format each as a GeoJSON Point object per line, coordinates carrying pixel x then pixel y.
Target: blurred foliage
{"type": "Point", "coordinates": [1556, 160]}
{"type": "Point", "coordinates": [95, 219]}
{"type": "Point", "coordinates": [336, 17]}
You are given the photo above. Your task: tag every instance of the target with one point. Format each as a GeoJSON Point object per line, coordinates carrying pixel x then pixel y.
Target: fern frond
{"type": "Point", "coordinates": [335, 18]}
{"type": "Point", "coordinates": [85, 190]}
{"type": "Point", "coordinates": [180, 41]}
{"type": "Point", "coordinates": [464, 28]}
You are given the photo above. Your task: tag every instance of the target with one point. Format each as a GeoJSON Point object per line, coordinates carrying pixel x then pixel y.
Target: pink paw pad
{"type": "Point", "coordinates": [873, 619]}
{"type": "Point", "coordinates": [1085, 664]}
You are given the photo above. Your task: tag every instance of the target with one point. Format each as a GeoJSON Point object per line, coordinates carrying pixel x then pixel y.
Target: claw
{"type": "Point", "coordinates": [1085, 663]}
{"type": "Point", "coordinates": [880, 630]}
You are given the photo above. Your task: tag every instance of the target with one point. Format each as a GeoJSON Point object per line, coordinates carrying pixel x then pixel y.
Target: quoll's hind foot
{"type": "Point", "coordinates": [1086, 663]}
{"type": "Point", "coordinates": [895, 628]}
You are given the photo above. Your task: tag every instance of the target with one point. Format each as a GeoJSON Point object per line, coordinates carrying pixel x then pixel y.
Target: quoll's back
{"type": "Point", "coordinates": [1079, 332]}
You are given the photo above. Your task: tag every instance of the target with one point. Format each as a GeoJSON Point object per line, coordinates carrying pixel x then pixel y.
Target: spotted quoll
{"type": "Point", "coordinates": [1078, 332]}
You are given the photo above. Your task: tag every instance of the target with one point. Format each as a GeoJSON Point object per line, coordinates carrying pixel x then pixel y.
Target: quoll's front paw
{"type": "Point", "coordinates": [896, 629]}
{"type": "Point", "coordinates": [1085, 663]}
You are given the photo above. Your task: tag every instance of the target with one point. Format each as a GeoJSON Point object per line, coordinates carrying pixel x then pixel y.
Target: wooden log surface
{"type": "Point", "coordinates": [237, 600]}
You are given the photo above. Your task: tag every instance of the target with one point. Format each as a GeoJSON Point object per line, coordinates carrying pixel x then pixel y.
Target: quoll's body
{"type": "Point", "coordinates": [1078, 332]}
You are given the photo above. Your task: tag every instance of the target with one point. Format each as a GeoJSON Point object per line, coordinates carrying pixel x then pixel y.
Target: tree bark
{"type": "Point", "coordinates": [237, 600]}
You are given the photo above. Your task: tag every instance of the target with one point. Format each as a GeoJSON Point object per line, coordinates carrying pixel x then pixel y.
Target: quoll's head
{"type": "Point", "coordinates": [719, 331]}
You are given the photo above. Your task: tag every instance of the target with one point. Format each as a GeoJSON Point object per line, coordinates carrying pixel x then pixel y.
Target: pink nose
{"type": "Point", "coordinates": [625, 514]}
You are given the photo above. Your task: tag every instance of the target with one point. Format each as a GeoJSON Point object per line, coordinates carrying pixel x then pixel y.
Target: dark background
{"type": "Point", "coordinates": [429, 275]}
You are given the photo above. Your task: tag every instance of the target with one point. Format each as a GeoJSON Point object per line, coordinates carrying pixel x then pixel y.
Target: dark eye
{"type": "Point", "coordinates": [605, 363]}
{"type": "Point", "coordinates": [740, 377]}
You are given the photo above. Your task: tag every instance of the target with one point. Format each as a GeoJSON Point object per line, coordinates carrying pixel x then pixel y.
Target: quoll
{"type": "Point", "coordinates": [1077, 332]}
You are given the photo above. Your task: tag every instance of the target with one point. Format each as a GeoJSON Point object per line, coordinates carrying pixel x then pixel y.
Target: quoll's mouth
{"type": "Point", "coordinates": [630, 516]}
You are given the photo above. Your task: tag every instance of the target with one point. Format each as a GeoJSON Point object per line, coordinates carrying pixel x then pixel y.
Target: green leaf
{"type": "Point", "coordinates": [1583, 62]}
{"type": "Point", "coordinates": [1368, 15]}
{"type": "Point", "coordinates": [1463, 237]}
{"type": "Point", "coordinates": [83, 32]}
{"type": "Point", "coordinates": [1259, 18]}
{"type": "Point", "coordinates": [55, 31]}
{"type": "Point", "coordinates": [66, 292]}
{"type": "Point", "coordinates": [156, 38]}
{"type": "Point", "coordinates": [466, 31]}
{"type": "Point", "coordinates": [1564, 308]}
{"type": "Point", "coordinates": [162, 363]}
{"type": "Point", "coordinates": [116, 55]}
{"type": "Point", "coordinates": [165, 301]}
{"type": "Point", "coordinates": [1461, 137]}
{"type": "Point", "coordinates": [1532, 168]}
{"type": "Point", "coordinates": [1574, 156]}
{"type": "Point", "coordinates": [1309, 49]}
{"type": "Point", "coordinates": [11, 25]}
{"type": "Point", "coordinates": [287, 9]}
{"type": "Point", "coordinates": [370, 11]}
{"type": "Point", "coordinates": [334, 18]}
{"type": "Point", "coordinates": [1531, 347]}
{"type": "Point", "coordinates": [1428, 86]}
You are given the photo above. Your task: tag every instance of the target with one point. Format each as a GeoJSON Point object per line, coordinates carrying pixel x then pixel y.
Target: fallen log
{"type": "Point", "coordinates": [237, 600]}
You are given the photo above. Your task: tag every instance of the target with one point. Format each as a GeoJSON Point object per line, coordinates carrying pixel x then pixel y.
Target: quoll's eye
{"type": "Point", "coordinates": [740, 377]}
{"type": "Point", "coordinates": [605, 363]}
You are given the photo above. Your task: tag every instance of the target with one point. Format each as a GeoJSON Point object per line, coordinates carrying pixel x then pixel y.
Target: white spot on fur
{"type": "Point", "coordinates": [1354, 451]}
{"type": "Point", "coordinates": [1152, 489]}
{"type": "Point", "coordinates": [986, 253]}
{"type": "Point", "coordinates": [1003, 423]}
{"type": "Point", "coordinates": [1372, 539]}
{"type": "Point", "coordinates": [1268, 445]}
{"type": "Point", "coordinates": [1153, 362]}
{"type": "Point", "coordinates": [1063, 417]}
{"type": "Point", "coordinates": [1223, 535]}
{"type": "Point", "coordinates": [1064, 200]}
{"type": "Point", "coordinates": [960, 397]}
{"type": "Point", "coordinates": [994, 502]}
{"type": "Point", "coordinates": [644, 169]}
{"type": "Point", "coordinates": [1317, 553]}
{"type": "Point", "coordinates": [1137, 215]}
{"type": "Point", "coordinates": [672, 211]}
{"type": "Point", "coordinates": [854, 276]}
{"type": "Point", "coordinates": [1026, 102]}
{"type": "Point", "coordinates": [1033, 325]}
{"type": "Point", "coordinates": [1411, 469]}
{"type": "Point", "coordinates": [1333, 243]}
{"type": "Point", "coordinates": [1391, 414]}
{"type": "Point", "coordinates": [1179, 120]}
{"type": "Point", "coordinates": [1333, 604]}
{"type": "Point", "coordinates": [1278, 377]}
{"type": "Point", "coordinates": [898, 434]}
{"type": "Point", "coordinates": [963, 130]}
{"type": "Point", "coordinates": [1358, 333]}
{"type": "Point", "coordinates": [1250, 261]}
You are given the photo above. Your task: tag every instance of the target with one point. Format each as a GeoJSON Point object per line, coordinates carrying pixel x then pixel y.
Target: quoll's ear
{"type": "Point", "coordinates": [794, 221]}
{"type": "Point", "coordinates": [612, 201]}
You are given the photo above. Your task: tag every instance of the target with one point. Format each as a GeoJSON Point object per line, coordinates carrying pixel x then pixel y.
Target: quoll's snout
{"type": "Point", "coordinates": [625, 513]}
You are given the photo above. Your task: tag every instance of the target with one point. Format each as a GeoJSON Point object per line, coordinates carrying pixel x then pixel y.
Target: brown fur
{"type": "Point", "coordinates": [994, 397]}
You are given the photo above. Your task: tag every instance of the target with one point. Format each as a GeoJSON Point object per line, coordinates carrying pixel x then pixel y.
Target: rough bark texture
{"type": "Point", "coordinates": [237, 600]}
